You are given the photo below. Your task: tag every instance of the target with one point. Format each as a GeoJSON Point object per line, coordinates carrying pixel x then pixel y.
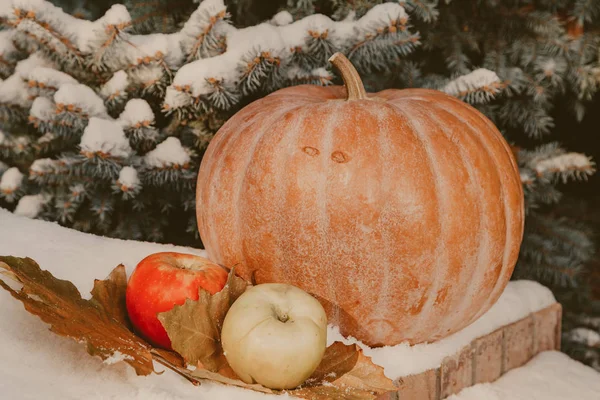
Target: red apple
{"type": "Point", "coordinates": [162, 280]}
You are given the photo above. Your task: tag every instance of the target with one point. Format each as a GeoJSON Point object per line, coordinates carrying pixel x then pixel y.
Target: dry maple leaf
{"type": "Point", "coordinates": [194, 327]}
{"type": "Point", "coordinates": [345, 373]}
{"type": "Point", "coordinates": [99, 322]}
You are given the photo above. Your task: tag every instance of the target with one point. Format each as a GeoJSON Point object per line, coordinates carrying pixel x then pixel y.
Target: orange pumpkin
{"type": "Point", "coordinates": [401, 211]}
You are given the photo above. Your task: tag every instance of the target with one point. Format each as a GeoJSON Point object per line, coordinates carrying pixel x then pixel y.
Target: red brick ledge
{"type": "Point", "coordinates": [486, 359]}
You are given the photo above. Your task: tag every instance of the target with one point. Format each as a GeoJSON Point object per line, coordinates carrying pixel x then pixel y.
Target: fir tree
{"type": "Point", "coordinates": [104, 122]}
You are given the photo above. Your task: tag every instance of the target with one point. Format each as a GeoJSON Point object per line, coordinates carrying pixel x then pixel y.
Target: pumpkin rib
{"type": "Point", "coordinates": [385, 145]}
{"type": "Point", "coordinates": [483, 239]}
{"type": "Point", "coordinates": [440, 255]}
{"type": "Point", "coordinates": [497, 135]}
{"type": "Point", "coordinates": [484, 213]}
{"type": "Point", "coordinates": [280, 195]}
{"type": "Point", "coordinates": [507, 217]}
{"type": "Point", "coordinates": [323, 219]}
{"type": "Point", "coordinates": [221, 140]}
{"type": "Point", "coordinates": [219, 167]}
{"type": "Point", "coordinates": [497, 291]}
{"type": "Point", "coordinates": [259, 136]}
{"type": "Point", "coordinates": [464, 273]}
{"type": "Point", "coordinates": [208, 168]}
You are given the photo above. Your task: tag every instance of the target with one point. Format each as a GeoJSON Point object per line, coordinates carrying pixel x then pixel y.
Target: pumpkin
{"type": "Point", "coordinates": [400, 211]}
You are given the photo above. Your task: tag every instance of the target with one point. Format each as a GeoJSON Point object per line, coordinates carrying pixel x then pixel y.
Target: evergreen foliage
{"type": "Point", "coordinates": [103, 121]}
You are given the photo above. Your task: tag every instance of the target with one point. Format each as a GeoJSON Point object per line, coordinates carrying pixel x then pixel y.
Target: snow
{"type": "Point", "coordinates": [116, 357]}
{"type": "Point", "coordinates": [295, 34]}
{"type": "Point", "coordinates": [137, 111]}
{"type": "Point", "coordinates": [282, 18]}
{"type": "Point", "coordinates": [6, 43]}
{"type": "Point", "coordinates": [11, 180]}
{"type": "Point", "coordinates": [155, 45]}
{"type": "Point", "coordinates": [204, 16]}
{"type": "Point", "coordinates": [31, 205]}
{"type": "Point", "coordinates": [383, 14]}
{"type": "Point", "coordinates": [42, 109]}
{"type": "Point", "coordinates": [565, 162]}
{"type": "Point", "coordinates": [585, 336]}
{"type": "Point", "coordinates": [472, 81]}
{"type": "Point", "coordinates": [168, 153]}
{"type": "Point", "coordinates": [115, 85]}
{"type": "Point", "coordinates": [50, 77]}
{"type": "Point", "coordinates": [42, 166]}
{"type": "Point", "coordinates": [128, 177]}
{"type": "Point", "coordinates": [24, 67]}
{"type": "Point", "coordinates": [36, 361]}
{"type": "Point", "coordinates": [81, 96]}
{"type": "Point", "coordinates": [549, 376]}
{"type": "Point", "coordinates": [116, 15]}
{"type": "Point", "coordinates": [105, 136]}
{"type": "Point", "coordinates": [13, 90]}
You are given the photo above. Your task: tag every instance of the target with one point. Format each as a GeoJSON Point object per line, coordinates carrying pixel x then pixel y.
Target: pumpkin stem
{"type": "Point", "coordinates": [354, 87]}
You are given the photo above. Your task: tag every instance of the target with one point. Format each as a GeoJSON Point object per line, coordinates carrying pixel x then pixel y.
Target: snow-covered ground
{"type": "Point", "coordinates": [36, 364]}
{"type": "Point", "coordinates": [549, 376]}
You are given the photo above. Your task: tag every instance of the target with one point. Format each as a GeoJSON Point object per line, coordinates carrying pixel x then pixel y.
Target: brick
{"type": "Point", "coordinates": [487, 357]}
{"type": "Point", "coordinates": [424, 386]}
{"type": "Point", "coordinates": [518, 343]}
{"type": "Point", "coordinates": [547, 328]}
{"type": "Point", "coordinates": [457, 372]}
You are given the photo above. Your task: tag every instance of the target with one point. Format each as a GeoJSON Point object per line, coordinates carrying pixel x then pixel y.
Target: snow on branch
{"type": "Point", "coordinates": [43, 81]}
{"type": "Point", "coordinates": [168, 154]}
{"type": "Point", "coordinates": [114, 91]}
{"type": "Point", "coordinates": [30, 206]}
{"type": "Point", "coordinates": [104, 138]}
{"type": "Point", "coordinates": [479, 86]}
{"type": "Point", "coordinates": [13, 92]}
{"type": "Point", "coordinates": [128, 183]}
{"type": "Point", "coordinates": [380, 35]}
{"type": "Point", "coordinates": [565, 166]}
{"type": "Point", "coordinates": [47, 26]}
{"type": "Point", "coordinates": [137, 113]}
{"type": "Point", "coordinates": [8, 52]}
{"type": "Point", "coordinates": [584, 336]}
{"type": "Point", "coordinates": [10, 183]}
{"type": "Point", "coordinates": [79, 98]}
{"type": "Point", "coordinates": [204, 33]}
{"type": "Point", "coordinates": [42, 112]}
{"type": "Point", "coordinates": [282, 18]}
{"type": "Point", "coordinates": [258, 56]}
{"type": "Point", "coordinates": [42, 167]}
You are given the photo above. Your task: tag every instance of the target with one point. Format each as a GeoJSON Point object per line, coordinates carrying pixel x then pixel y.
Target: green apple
{"type": "Point", "coordinates": [275, 334]}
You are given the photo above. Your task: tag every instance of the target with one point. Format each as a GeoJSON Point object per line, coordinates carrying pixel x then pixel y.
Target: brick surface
{"type": "Point", "coordinates": [457, 372]}
{"type": "Point", "coordinates": [547, 329]}
{"type": "Point", "coordinates": [518, 343]}
{"type": "Point", "coordinates": [487, 357]}
{"type": "Point", "coordinates": [424, 386]}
